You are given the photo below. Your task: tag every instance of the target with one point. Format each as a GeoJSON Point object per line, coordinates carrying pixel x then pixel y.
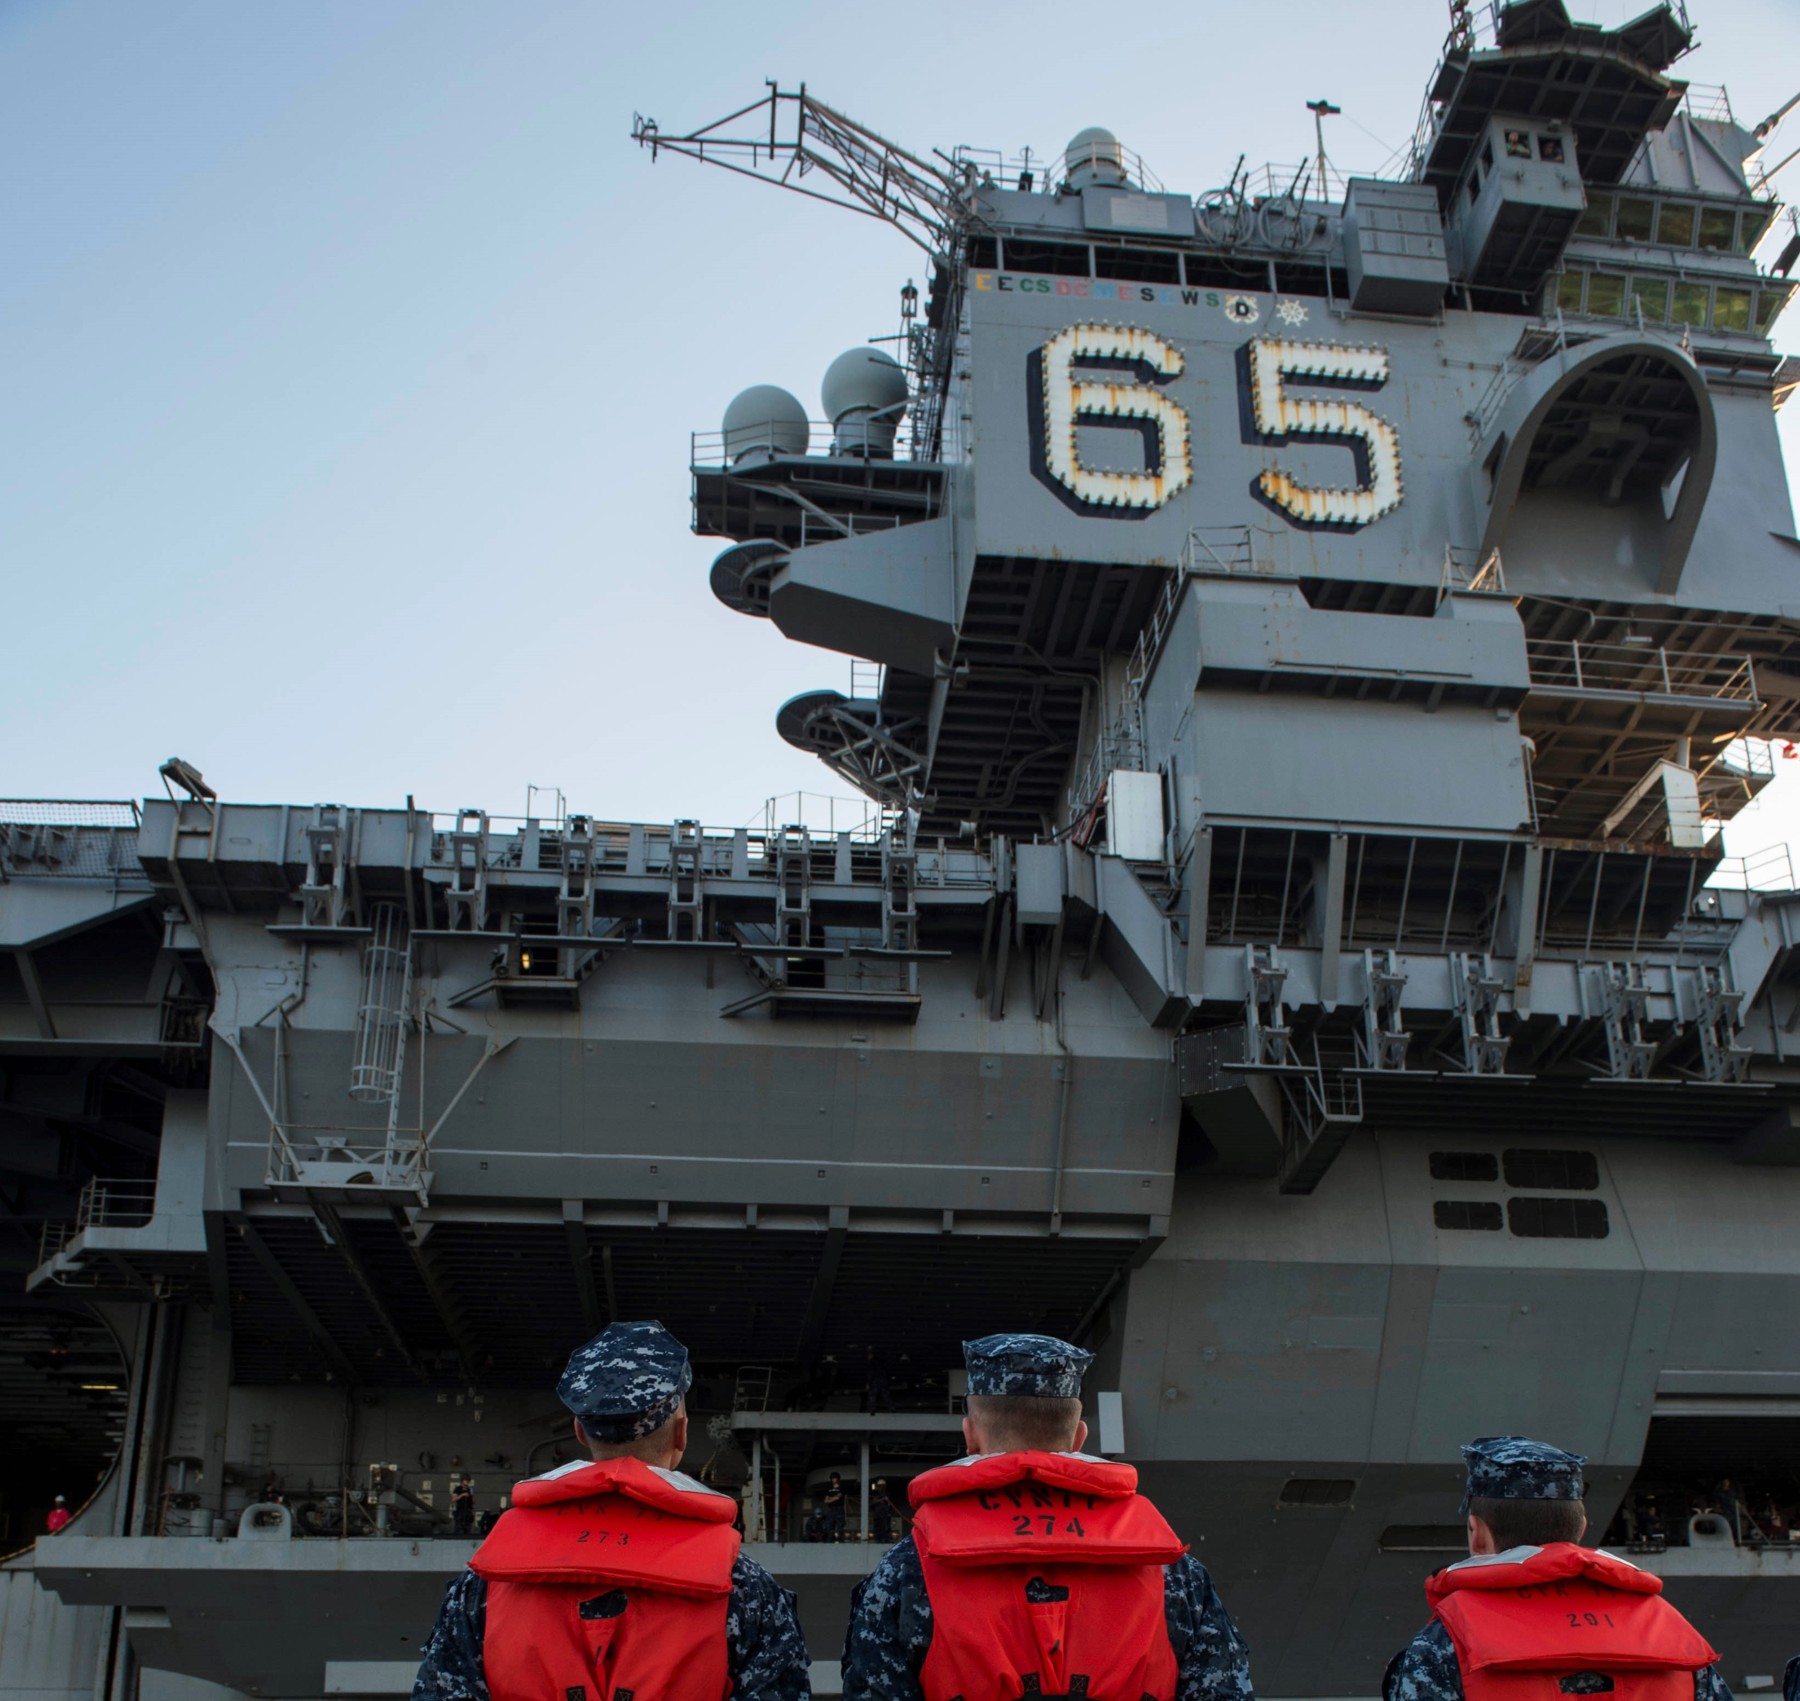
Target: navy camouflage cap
{"type": "Point", "coordinates": [627, 1381]}
{"type": "Point", "coordinates": [1511, 1467]}
{"type": "Point", "coordinates": [1025, 1364]}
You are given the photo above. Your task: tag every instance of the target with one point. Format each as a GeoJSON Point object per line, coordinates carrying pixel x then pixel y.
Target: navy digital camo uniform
{"type": "Point", "coordinates": [1790, 1684]}
{"type": "Point", "coordinates": [1025, 1364]}
{"type": "Point", "coordinates": [890, 1613]}
{"type": "Point", "coordinates": [626, 1383]}
{"type": "Point", "coordinates": [1513, 1467]}
{"type": "Point", "coordinates": [1501, 1467]}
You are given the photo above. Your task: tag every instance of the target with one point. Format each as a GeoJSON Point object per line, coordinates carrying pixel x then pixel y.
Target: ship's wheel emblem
{"type": "Point", "coordinates": [1292, 313]}
{"type": "Point", "coordinates": [1242, 309]}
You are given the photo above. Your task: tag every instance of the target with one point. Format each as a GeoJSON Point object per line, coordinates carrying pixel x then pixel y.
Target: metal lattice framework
{"type": "Point", "coordinates": [882, 757]}
{"type": "Point", "coordinates": [795, 142]}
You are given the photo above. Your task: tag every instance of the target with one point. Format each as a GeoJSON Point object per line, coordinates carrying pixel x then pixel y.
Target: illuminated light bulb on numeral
{"type": "Point", "coordinates": [1279, 414]}
{"type": "Point", "coordinates": [1067, 398]}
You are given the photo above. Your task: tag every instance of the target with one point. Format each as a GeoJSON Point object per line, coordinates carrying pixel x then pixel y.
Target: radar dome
{"type": "Point", "coordinates": [1094, 156]}
{"type": "Point", "coordinates": [864, 392]}
{"type": "Point", "coordinates": [765, 419]}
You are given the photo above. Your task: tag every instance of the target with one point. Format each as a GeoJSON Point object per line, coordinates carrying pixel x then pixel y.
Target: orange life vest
{"type": "Point", "coordinates": [607, 1581]}
{"type": "Point", "coordinates": [1544, 1623]}
{"type": "Point", "coordinates": [1044, 1573]}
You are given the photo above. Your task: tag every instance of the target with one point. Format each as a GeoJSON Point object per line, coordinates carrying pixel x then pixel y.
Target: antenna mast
{"type": "Point", "coordinates": [786, 138]}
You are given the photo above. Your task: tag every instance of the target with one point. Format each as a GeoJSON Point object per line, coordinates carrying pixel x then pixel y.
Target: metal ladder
{"type": "Point", "coordinates": [899, 892]}
{"type": "Point", "coordinates": [751, 1394]}
{"type": "Point", "coordinates": [1268, 1038]}
{"type": "Point", "coordinates": [466, 895]}
{"type": "Point", "coordinates": [687, 901]}
{"type": "Point", "coordinates": [793, 886]}
{"type": "Point", "coordinates": [575, 897]}
{"type": "Point", "coordinates": [1724, 1057]}
{"type": "Point", "coordinates": [384, 999]}
{"type": "Point", "coordinates": [1476, 991]}
{"type": "Point", "coordinates": [1383, 1040]}
{"type": "Point", "coordinates": [1624, 1008]}
{"type": "Point", "coordinates": [323, 898]}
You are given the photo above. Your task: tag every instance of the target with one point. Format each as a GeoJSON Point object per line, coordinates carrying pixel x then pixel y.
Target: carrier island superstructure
{"type": "Point", "coordinates": [1308, 639]}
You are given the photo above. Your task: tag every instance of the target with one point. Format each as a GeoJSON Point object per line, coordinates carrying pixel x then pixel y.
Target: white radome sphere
{"type": "Point", "coordinates": [765, 416]}
{"type": "Point", "coordinates": [863, 380]}
{"type": "Point", "coordinates": [1095, 142]}
{"type": "Point", "coordinates": [1094, 156]}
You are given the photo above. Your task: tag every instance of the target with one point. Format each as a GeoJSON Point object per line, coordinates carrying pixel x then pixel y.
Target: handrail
{"type": "Point", "coordinates": [1112, 153]}
{"type": "Point", "coordinates": [1217, 549]}
{"type": "Point", "coordinates": [716, 847]}
{"type": "Point", "coordinates": [68, 812]}
{"type": "Point", "coordinates": [1708, 102]}
{"type": "Point", "coordinates": [114, 1201]}
{"type": "Point", "coordinates": [1575, 664]}
{"type": "Point", "coordinates": [708, 450]}
{"type": "Point", "coordinates": [1465, 573]}
{"type": "Point", "coordinates": [1770, 869]}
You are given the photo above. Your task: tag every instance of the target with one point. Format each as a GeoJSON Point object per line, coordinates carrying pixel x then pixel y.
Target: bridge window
{"type": "Point", "coordinates": [1754, 223]}
{"type": "Point", "coordinates": [1057, 259]}
{"type": "Point", "coordinates": [1650, 297]}
{"type": "Point", "coordinates": [1635, 220]}
{"type": "Point", "coordinates": [1606, 295]}
{"type": "Point", "coordinates": [1718, 229]}
{"type": "Point", "coordinates": [1596, 219]}
{"type": "Point", "coordinates": [1138, 265]}
{"type": "Point", "coordinates": [1691, 302]}
{"type": "Point", "coordinates": [1731, 309]}
{"type": "Point", "coordinates": [1675, 224]}
{"type": "Point", "coordinates": [1684, 301]}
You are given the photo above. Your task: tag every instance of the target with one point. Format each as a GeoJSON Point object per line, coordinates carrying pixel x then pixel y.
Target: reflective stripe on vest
{"type": "Point", "coordinates": [608, 1582]}
{"type": "Point", "coordinates": [1541, 1624]}
{"type": "Point", "coordinates": [1044, 1573]}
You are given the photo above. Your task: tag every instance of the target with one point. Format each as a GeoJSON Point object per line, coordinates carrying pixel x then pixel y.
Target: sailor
{"type": "Point", "coordinates": [1790, 1683]}
{"type": "Point", "coordinates": [883, 1513]}
{"type": "Point", "coordinates": [1033, 1567]}
{"type": "Point", "coordinates": [1532, 1616]}
{"type": "Point", "coordinates": [832, 1508]}
{"type": "Point", "coordinates": [57, 1516]}
{"type": "Point", "coordinates": [616, 1573]}
{"type": "Point", "coordinates": [462, 1507]}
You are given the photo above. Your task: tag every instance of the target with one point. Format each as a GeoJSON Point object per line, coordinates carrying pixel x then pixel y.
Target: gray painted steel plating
{"type": "Point", "coordinates": [1434, 607]}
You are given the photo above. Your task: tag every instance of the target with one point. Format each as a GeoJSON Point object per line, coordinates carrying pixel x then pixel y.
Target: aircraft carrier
{"type": "Point", "coordinates": [1306, 638]}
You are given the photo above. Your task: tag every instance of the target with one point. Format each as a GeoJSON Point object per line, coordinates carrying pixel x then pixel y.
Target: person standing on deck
{"type": "Point", "coordinates": [1532, 1616]}
{"type": "Point", "coordinates": [1033, 1567]}
{"type": "Point", "coordinates": [617, 1573]}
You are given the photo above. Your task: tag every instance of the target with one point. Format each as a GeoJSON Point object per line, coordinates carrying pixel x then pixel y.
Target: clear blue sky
{"type": "Point", "coordinates": [350, 351]}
